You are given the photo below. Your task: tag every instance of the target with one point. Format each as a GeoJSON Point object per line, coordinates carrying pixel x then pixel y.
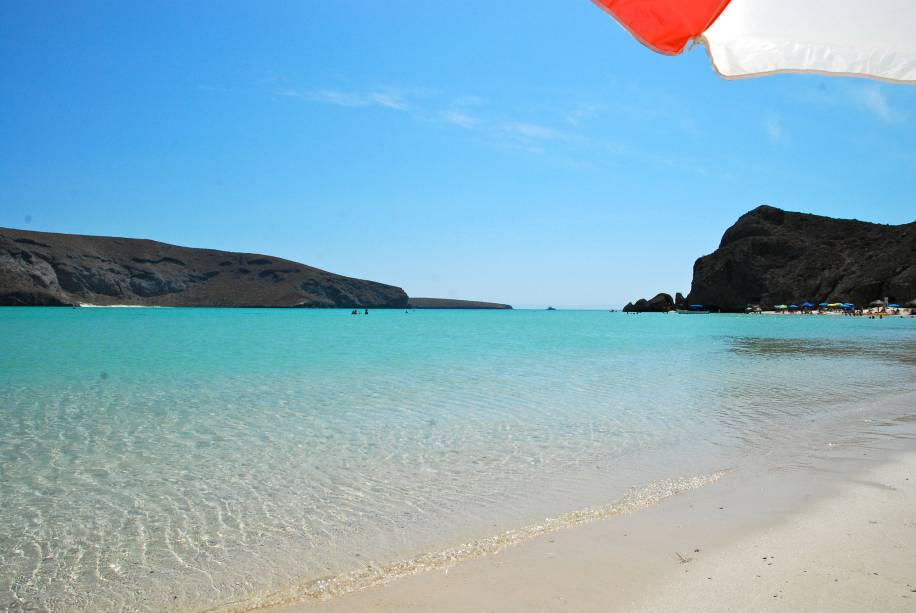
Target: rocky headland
{"type": "Point", "coordinates": [47, 269]}
{"type": "Point", "coordinates": [770, 256]}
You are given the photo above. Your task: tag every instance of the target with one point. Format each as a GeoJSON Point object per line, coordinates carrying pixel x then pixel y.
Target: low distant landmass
{"type": "Point", "coordinates": [770, 256]}
{"type": "Point", "coordinates": [47, 269]}
{"type": "Point", "coordinates": [450, 303]}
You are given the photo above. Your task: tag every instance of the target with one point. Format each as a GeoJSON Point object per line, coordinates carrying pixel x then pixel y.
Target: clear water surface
{"type": "Point", "coordinates": [190, 458]}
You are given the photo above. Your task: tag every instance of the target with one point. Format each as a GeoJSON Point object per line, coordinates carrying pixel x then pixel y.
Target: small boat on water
{"type": "Point", "coordinates": [693, 309]}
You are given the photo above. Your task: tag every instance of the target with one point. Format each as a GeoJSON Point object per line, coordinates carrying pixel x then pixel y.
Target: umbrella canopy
{"type": "Point", "coordinates": [895, 306]}
{"type": "Point", "coordinates": [755, 37]}
{"type": "Point", "coordinates": [696, 306]}
{"type": "Point", "coordinates": [876, 303]}
{"type": "Point", "coordinates": [793, 306]}
{"type": "Point", "coordinates": [823, 304]}
{"type": "Point", "coordinates": [807, 305]}
{"type": "Point", "coordinates": [780, 306]}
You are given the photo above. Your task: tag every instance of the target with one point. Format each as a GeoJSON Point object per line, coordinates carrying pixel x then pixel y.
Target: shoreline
{"type": "Point", "coordinates": [795, 536]}
{"type": "Point", "coordinates": [378, 574]}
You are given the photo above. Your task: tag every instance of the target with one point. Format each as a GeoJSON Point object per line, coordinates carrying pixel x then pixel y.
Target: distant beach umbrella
{"type": "Point", "coordinates": [746, 38]}
{"type": "Point", "coordinates": [780, 307]}
{"type": "Point", "coordinates": [876, 303]}
{"type": "Point", "coordinates": [822, 304]}
{"type": "Point", "coordinates": [807, 305]}
{"type": "Point", "coordinates": [894, 306]}
{"type": "Point", "coordinates": [696, 306]}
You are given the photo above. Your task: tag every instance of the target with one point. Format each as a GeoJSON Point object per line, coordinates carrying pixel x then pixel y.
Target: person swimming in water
{"type": "Point", "coordinates": [367, 312]}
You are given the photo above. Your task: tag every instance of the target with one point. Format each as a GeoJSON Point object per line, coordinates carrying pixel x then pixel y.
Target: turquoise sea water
{"type": "Point", "coordinates": [181, 459]}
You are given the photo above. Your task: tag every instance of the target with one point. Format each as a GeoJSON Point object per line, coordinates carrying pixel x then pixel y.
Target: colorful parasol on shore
{"type": "Point", "coordinates": [746, 38]}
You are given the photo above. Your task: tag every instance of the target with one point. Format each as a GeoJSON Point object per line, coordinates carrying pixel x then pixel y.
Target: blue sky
{"type": "Point", "coordinates": [526, 152]}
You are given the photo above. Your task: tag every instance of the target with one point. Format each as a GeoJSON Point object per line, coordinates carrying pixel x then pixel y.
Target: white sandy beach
{"type": "Point", "coordinates": [835, 534]}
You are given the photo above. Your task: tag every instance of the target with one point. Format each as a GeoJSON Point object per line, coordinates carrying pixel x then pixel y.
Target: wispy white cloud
{"type": "Point", "coordinates": [558, 133]}
{"type": "Point", "coordinates": [459, 118]}
{"type": "Point", "coordinates": [387, 98]}
{"type": "Point", "coordinates": [465, 111]}
{"type": "Point", "coordinates": [581, 112]}
{"type": "Point", "coordinates": [529, 131]}
{"type": "Point", "coordinates": [872, 99]}
{"type": "Point", "coordinates": [774, 129]}
{"type": "Point", "coordinates": [520, 135]}
{"type": "Point", "coordinates": [462, 111]}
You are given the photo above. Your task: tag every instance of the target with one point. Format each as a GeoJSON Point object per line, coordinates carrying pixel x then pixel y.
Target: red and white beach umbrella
{"type": "Point", "coordinates": [746, 38]}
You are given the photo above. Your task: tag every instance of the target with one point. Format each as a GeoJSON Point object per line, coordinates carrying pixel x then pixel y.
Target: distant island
{"type": "Point", "coordinates": [770, 256]}
{"type": "Point", "coordinates": [450, 303]}
{"type": "Point", "coordinates": [49, 269]}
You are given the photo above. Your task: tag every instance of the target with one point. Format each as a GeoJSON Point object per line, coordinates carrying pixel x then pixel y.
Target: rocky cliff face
{"type": "Point", "coordinates": [771, 257]}
{"type": "Point", "coordinates": [661, 303]}
{"type": "Point", "coordinates": [38, 268]}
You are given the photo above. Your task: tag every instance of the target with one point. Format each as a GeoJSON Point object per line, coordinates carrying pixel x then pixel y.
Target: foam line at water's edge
{"type": "Point", "coordinates": [376, 574]}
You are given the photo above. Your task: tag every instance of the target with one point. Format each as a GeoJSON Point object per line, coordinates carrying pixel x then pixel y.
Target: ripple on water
{"type": "Point", "coordinates": [228, 455]}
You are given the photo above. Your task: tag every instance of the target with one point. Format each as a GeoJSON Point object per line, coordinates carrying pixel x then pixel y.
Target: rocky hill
{"type": "Point", "coordinates": [39, 268]}
{"type": "Point", "coordinates": [450, 303]}
{"type": "Point", "coordinates": [659, 304]}
{"type": "Point", "coordinates": [770, 256]}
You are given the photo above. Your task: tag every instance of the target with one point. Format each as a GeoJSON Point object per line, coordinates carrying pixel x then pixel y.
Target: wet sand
{"type": "Point", "coordinates": [835, 531]}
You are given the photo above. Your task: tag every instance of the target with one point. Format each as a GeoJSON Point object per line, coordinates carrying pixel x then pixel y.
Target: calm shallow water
{"type": "Point", "coordinates": [187, 458]}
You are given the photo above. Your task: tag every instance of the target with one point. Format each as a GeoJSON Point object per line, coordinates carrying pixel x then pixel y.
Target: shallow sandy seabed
{"type": "Point", "coordinates": [835, 534]}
